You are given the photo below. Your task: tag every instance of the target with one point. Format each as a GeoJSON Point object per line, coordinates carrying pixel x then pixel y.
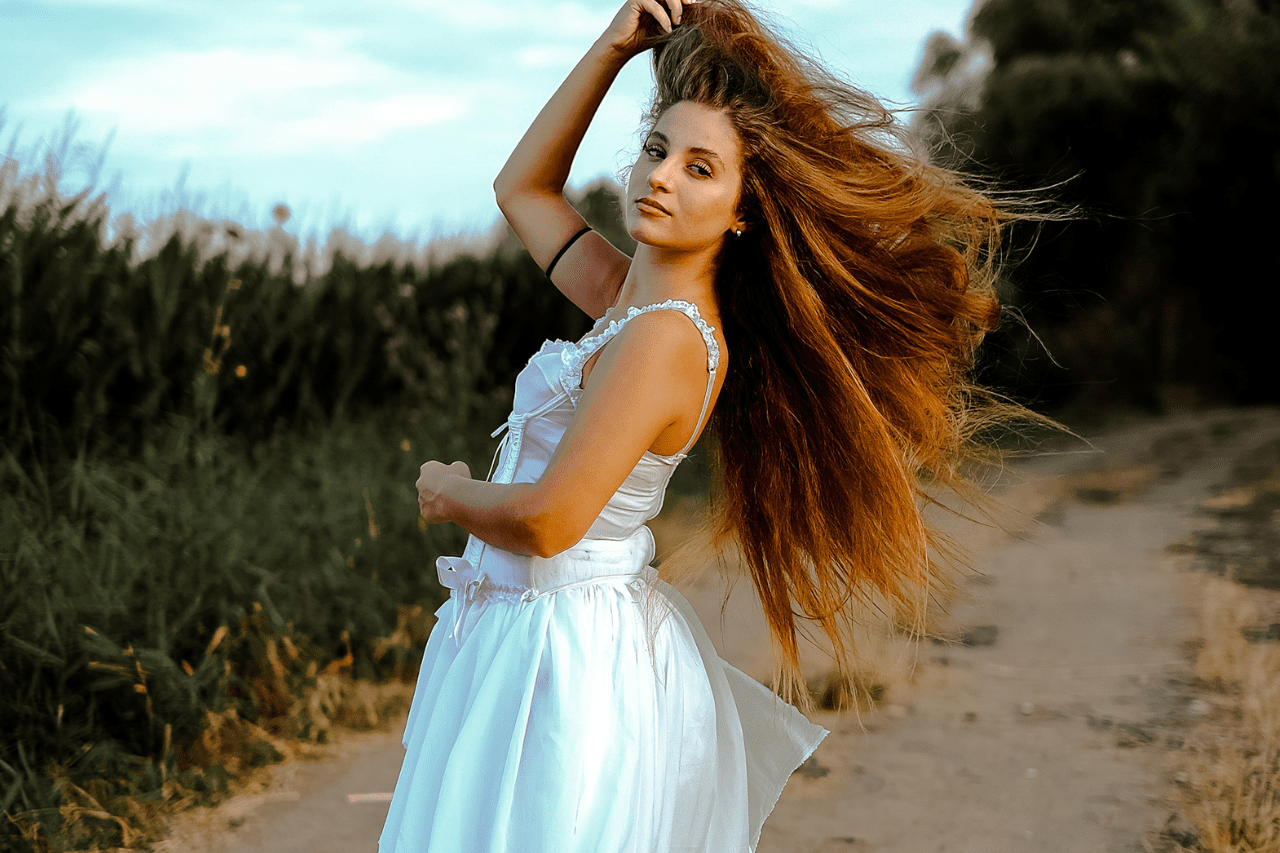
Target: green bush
{"type": "Point", "coordinates": [98, 349]}
{"type": "Point", "coordinates": [118, 575]}
{"type": "Point", "coordinates": [208, 443]}
{"type": "Point", "coordinates": [1159, 120]}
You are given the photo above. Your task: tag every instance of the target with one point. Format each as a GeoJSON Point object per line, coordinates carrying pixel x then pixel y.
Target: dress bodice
{"type": "Point", "coordinates": [546, 398]}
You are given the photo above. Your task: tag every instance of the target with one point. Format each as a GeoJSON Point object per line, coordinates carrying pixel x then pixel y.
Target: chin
{"type": "Point", "coordinates": [658, 233]}
{"type": "Point", "coordinates": [642, 233]}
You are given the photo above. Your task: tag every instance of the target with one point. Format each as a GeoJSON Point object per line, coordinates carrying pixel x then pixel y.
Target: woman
{"type": "Point", "coordinates": [816, 290]}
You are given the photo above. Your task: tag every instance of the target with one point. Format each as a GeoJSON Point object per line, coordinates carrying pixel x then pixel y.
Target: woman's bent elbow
{"type": "Point", "coordinates": [548, 526]}
{"type": "Point", "coordinates": [547, 537]}
{"type": "Point", "coordinates": [539, 549]}
{"type": "Point", "coordinates": [547, 544]}
{"type": "Point", "coordinates": [502, 190]}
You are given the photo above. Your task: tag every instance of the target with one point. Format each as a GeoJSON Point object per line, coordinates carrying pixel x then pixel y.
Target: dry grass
{"type": "Point", "coordinates": [301, 707]}
{"type": "Point", "coordinates": [1231, 788]}
{"type": "Point", "coordinates": [248, 753]}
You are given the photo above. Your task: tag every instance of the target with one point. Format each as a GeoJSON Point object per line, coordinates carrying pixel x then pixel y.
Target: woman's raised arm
{"type": "Point", "coordinates": [530, 187]}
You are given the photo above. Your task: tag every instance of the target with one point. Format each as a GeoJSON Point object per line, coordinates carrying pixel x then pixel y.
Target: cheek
{"type": "Point", "coordinates": [637, 176]}
{"type": "Point", "coordinates": [720, 207]}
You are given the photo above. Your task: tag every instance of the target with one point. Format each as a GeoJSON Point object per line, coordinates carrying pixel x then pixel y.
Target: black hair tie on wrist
{"type": "Point", "coordinates": [565, 248]}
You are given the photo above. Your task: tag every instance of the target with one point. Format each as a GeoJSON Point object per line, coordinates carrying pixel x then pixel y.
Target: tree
{"type": "Point", "coordinates": [1160, 121]}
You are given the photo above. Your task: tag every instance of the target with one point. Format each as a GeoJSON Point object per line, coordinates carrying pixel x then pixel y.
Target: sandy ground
{"type": "Point", "coordinates": [1052, 721]}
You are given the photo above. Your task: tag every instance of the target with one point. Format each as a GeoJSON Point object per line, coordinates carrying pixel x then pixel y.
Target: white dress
{"type": "Point", "coordinates": [575, 703]}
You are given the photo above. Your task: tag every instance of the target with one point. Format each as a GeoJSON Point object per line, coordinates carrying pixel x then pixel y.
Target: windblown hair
{"type": "Point", "coordinates": [852, 308]}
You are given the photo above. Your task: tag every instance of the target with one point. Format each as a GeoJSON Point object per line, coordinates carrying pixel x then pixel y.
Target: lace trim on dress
{"type": "Point", "coordinates": [549, 345]}
{"type": "Point", "coordinates": [575, 356]}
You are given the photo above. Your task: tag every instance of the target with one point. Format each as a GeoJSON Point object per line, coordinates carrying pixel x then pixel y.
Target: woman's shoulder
{"type": "Point", "coordinates": [673, 332]}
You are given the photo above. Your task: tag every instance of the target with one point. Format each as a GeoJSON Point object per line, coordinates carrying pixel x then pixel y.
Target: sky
{"type": "Point", "coordinates": [377, 115]}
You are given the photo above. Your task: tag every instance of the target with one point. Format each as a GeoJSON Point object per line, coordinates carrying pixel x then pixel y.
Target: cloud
{"type": "Point", "coordinates": [818, 4]}
{"type": "Point", "coordinates": [548, 56]}
{"type": "Point", "coordinates": [572, 21]}
{"type": "Point", "coordinates": [299, 98]}
{"type": "Point", "coordinates": [110, 4]}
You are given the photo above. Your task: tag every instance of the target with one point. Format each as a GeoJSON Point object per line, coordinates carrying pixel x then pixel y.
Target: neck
{"type": "Point", "coordinates": [659, 274]}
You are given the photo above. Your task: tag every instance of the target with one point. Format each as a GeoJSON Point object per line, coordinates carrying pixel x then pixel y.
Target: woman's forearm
{"type": "Point", "coordinates": [541, 160]}
{"type": "Point", "coordinates": [507, 515]}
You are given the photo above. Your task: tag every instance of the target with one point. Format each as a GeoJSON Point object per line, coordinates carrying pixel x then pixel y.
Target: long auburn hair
{"type": "Point", "coordinates": [852, 308]}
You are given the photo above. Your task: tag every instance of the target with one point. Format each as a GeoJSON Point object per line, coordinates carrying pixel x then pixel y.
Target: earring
{"type": "Point", "coordinates": [737, 233]}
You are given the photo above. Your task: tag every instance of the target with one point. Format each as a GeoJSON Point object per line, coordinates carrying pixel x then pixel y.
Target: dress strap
{"type": "Point", "coordinates": [713, 362]}
{"type": "Point", "coordinates": [706, 401]}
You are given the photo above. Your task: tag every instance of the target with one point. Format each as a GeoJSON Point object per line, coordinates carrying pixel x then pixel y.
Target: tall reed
{"type": "Point", "coordinates": [208, 440]}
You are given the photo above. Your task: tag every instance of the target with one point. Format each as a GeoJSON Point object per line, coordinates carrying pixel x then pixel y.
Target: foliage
{"type": "Point", "coordinates": [99, 348]}
{"type": "Point", "coordinates": [208, 440]}
{"type": "Point", "coordinates": [203, 576]}
{"type": "Point", "coordinates": [1160, 120]}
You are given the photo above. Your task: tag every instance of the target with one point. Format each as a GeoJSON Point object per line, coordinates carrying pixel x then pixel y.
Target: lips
{"type": "Point", "coordinates": [650, 204]}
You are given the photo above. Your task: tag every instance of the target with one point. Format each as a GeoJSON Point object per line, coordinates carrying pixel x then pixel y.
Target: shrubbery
{"type": "Point", "coordinates": [1158, 121]}
{"type": "Point", "coordinates": [209, 439]}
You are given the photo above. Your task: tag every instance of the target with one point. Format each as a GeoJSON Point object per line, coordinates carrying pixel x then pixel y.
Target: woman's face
{"type": "Point", "coordinates": [684, 188]}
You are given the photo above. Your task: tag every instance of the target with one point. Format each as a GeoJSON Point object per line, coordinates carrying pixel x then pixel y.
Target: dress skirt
{"type": "Point", "coordinates": [576, 704]}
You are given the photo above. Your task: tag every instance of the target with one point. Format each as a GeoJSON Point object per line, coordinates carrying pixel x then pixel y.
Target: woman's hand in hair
{"type": "Point", "coordinates": [432, 479]}
{"type": "Point", "coordinates": [639, 22]}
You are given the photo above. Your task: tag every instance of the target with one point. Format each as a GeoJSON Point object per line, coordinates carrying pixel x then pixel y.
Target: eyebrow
{"type": "Point", "coordinates": [702, 151]}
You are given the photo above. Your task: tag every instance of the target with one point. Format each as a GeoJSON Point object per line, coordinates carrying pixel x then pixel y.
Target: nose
{"type": "Point", "coordinates": [659, 176]}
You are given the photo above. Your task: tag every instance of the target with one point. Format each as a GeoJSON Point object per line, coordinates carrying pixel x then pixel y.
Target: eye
{"type": "Point", "coordinates": [701, 167]}
{"type": "Point", "coordinates": [654, 152]}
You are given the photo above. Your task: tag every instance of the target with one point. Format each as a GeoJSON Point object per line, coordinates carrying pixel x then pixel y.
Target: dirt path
{"type": "Point", "coordinates": [1054, 723]}
{"type": "Point", "coordinates": [1046, 733]}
